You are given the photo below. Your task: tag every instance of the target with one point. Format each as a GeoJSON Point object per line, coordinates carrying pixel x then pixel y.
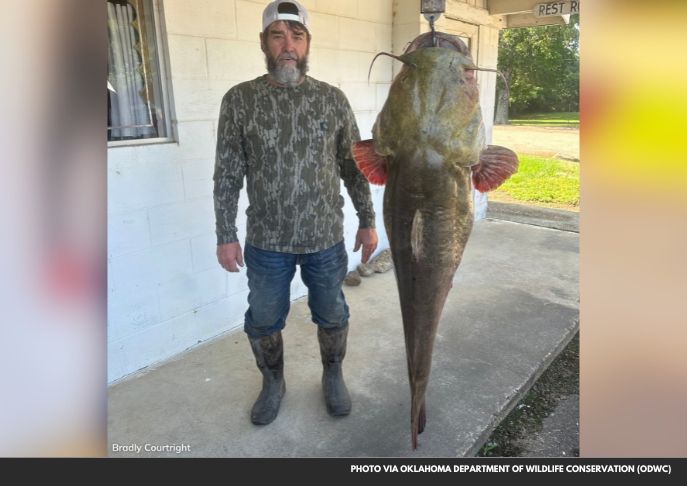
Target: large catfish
{"type": "Point", "coordinates": [428, 145]}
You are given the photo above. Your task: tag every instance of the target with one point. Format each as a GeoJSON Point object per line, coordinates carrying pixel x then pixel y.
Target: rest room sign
{"type": "Point", "coordinates": [556, 8]}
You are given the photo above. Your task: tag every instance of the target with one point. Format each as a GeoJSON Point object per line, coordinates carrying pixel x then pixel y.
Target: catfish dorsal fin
{"type": "Point", "coordinates": [370, 163]}
{"type": "Point", "coordinates": [496, 165]}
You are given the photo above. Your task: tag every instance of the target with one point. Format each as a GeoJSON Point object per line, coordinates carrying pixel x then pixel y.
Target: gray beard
{"type": "Point", "coordinates": [287, 75]}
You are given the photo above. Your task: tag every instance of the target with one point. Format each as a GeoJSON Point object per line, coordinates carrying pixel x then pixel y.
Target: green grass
{"type": "Point", "coordinates": [544, 180]}
{"type": "Point", "coordinates": [562, 119]}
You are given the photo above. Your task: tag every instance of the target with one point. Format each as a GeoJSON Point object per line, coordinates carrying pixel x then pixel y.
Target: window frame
{"type": "Point", "coordinates": [170, 122]}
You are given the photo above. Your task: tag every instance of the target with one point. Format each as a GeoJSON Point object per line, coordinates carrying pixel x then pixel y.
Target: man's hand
{"type": "Point", "coordinates": [367, 237]}
{"type": "Point", "coordinates": [229, 255]}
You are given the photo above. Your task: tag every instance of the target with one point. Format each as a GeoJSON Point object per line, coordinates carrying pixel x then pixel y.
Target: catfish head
{"type": "Point", "coordinates": [433, 114]}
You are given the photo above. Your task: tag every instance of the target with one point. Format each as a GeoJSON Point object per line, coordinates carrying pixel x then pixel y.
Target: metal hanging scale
{"type": "Point", "coordinates": [432, 10]}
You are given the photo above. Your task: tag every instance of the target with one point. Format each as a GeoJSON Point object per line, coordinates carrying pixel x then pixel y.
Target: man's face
{"type": "Point", "coordinates": [286, 48]}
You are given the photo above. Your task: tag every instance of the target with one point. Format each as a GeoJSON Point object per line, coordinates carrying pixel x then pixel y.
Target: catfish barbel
{"type": "Point", "coordinates": [428, 147]}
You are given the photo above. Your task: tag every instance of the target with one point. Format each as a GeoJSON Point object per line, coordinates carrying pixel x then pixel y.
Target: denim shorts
{"type": "Point", "coordinates": [269, 281]}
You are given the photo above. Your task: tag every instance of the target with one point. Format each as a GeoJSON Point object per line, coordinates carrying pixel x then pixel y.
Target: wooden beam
{"type": "Point", "coordinates": [509, 7]}
{"type": "Point", "coordinates": [529, 20]}
{"type": "Point", "coordinates": [460, 10]}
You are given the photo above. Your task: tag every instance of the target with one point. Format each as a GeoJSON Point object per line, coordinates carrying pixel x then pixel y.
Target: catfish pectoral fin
{"type": "Point", "coordinates": [370, 163]}
{"type": "Point", "coordinates": [496, 165]}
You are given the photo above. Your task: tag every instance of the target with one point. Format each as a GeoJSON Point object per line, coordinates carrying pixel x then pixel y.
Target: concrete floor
{"type": "Point", "coordinates": [513, 307]}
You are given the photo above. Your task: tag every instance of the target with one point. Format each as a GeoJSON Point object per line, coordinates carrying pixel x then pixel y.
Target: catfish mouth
{"type": "Point", "coordinates": [425, 41]}
{"type": "Point", "coordinates": [446, 41]}
{"type": "Point", "coordinates": [406, 60]}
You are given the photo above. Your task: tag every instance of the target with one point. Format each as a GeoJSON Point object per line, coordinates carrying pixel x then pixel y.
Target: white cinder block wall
{"type": "Point", "coordinates": [166, 291]}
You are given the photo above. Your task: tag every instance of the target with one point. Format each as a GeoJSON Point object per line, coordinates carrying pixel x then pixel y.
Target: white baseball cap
{"type": "Point", "coordinates": [285, 10]}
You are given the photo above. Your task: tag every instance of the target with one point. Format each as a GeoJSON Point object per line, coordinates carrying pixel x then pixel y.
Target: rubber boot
{"type": "Point", "coordinates": [269, 356]}
{"type": "Point", "coordinates": [333, 350]}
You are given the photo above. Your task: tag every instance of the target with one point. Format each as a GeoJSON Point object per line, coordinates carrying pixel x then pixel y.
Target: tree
{"type": "Point", "coordinates": [541, 66]}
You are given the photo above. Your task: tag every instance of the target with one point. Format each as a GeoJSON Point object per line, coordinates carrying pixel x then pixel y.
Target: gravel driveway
{"type": "Point", "coordinates": [563, 143]}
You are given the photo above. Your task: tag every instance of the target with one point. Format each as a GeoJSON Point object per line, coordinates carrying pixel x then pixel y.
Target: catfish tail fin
{"type": "Point", "coordinates": [417, 421]}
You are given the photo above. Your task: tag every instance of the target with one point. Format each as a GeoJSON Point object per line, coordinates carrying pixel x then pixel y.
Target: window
{"type": "Point", "coordinates": [138, 110]}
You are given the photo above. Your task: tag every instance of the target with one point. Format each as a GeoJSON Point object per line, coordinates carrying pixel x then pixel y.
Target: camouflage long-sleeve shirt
{"type": "Point", "coordinates": [293, 147]}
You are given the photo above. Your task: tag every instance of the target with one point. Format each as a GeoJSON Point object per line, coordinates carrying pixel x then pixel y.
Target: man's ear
{"type": "Point", "coordinates": [262, 41]}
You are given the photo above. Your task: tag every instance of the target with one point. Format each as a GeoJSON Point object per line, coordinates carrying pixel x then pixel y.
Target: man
{"type": "Point", "coordinates": [290, 136]}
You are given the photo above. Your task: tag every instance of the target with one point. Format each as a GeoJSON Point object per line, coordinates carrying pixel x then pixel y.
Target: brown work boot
{"type": "Point", "coordinates": [332, 351]}
{"type": "Point", "coordinates": [269, 356]}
